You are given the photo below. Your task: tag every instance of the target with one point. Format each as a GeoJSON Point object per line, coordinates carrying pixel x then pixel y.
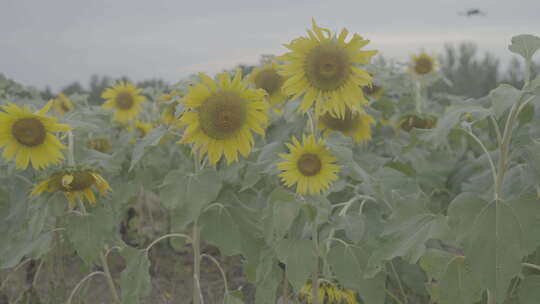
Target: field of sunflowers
{"type": "Point", "coordinates": [322, 176]}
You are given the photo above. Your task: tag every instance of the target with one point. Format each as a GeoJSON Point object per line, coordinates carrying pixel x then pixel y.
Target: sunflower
{"type": "Point", "coordinates": [168, 116]}
{"type": "Point", "coordinates": [142, 128]}
{"type": "Point", "coordinates": [408, 122]}
{"type": "Point", "coordinates": [374, 91]}
{"type": "Point", "coordinates": [321, 68]}
{"type": "Point", "coordinates": [62, 104]}
{"type": "Point", "coordinates": [75, 183]}
{"type": "Point", "coordinates": [354, 124]}
{"type": "Point", "coordinates": [309, 165]}
{"type": "Point", "coordinates": [268, 79]}
{"type": "Point", "coordinates": [423, 64]}
{"type": "Point", "coordinates": [102, 145]}
{"type": "Point", "coordinates": [125, 99]}
{"type": "Point", "coordinates": [328, 294]}
{"type": "Point", "coordinates": [28, 137]}
{"type": "Point", "coordinates": [222, 116]}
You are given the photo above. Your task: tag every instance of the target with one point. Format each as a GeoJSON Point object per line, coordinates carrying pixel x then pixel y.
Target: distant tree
{"type": "Point", "coordinates": [74, 88]}
{"type": "Point", "coordinates": [47, 94]}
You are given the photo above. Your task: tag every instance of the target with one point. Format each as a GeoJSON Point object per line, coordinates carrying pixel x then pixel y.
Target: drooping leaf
{"type": "Point", "coordinates": [89, 232]}
{"type": "Point", "coordinates": [135, 278]}
{"type": "Point", "coordinates": [285, 208]}
{"type": "Point", "coordinates": [220, 229]}
{"type": "Point", "coordinates": [299, 258]}
{"type": "Point", "coordinates": [268, 277]}
{"type": "Point", "coordinates": [349, 264]}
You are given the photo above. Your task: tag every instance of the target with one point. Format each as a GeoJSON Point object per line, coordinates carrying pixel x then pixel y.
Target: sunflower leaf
{"type": "Point", "coordinates": [503, 97]}
{"type": "Point", "coordinates": [525, 45]}
{"type": "Point", "coordinates": [299, 257]}
{"type": "Point", "coordinates": [219, 228]}
{"type": "Point", "coordinates": [89, 232]}
{"type": "Point", "coordinates": [151, 139]}
{"type": "Point", "coordinates": [529, 290]}
{"type": "Point", "coordinates": [135, 278]}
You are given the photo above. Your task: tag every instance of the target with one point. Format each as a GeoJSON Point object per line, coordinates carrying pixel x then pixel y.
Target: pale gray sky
{"type": "Point", "coordinates": [55, 42]}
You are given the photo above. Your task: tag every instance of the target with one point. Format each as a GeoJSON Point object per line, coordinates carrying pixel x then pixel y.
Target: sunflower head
{"type": "Point", "coordinates": [322, 68]}
{"type": "Point", "coordinates": [102, 145]}
{"type": "Point", "coordinates": [408, 122]}
{"type": "Point", "coordinates": [329, 293]}
{"type": "Point", "coordinates": [268, 78]}
{"type": "Point", "coordinates": [125, 99]}
{"type": "Point", "coordinates": [353, 124]}
{"type": "Point", "coordinates": [142, 128]}
{"type": "Point", "coordinates": [75, 183]}
{"type": "Point", "coordinates": [62, 104]}
{"type": "Point", "coordinates": [423, 64]}
{"type": "Point", "coordinates": [308, 165]}
{"type": "Point", "coordinates": [28, 136]}
{"type": "Point", "coordinates": [222, 116]}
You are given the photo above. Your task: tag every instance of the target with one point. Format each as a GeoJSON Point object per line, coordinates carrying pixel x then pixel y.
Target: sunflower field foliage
{"type": "Point", "coordinates": [332, 177]}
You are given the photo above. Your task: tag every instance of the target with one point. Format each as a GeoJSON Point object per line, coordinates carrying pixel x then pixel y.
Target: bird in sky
{"type": "Point", "coordinates": [472, 12]}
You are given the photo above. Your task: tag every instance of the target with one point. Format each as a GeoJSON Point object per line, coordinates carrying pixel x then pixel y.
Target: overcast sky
{"type": "Point", "coordinates": [56, 42]}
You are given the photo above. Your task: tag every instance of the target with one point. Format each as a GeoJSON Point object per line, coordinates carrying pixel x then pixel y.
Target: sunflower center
{"type": "Point", "coordinates": [309, 164]}
{"type": "Point", "coordinates": [423, 65]}
{"type": "Point", "coordinates": [268, 80]}
{"type": "Point", "coordinates": [327, 66]}
{"type": "Point", "coordinates": [101, 145]}
{"type": "Point", "coordinates": [347, 123]}
{"type": "Point", "coordinates": [222, 115]}
{"type": "Point", "coordinates": [81, 180]}
{"type": "Point", "coordinates": [29, 131]}
{"type": "Point", "coordinates": [124, 100]}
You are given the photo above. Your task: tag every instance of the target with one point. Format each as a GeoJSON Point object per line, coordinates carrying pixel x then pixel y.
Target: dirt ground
{"type": "Point", "coordinates": [170, 270]}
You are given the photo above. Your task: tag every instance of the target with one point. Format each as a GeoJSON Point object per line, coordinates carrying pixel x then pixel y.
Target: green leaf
{"type": "Point", "coordinates": [410, 227]}
{"type": "Point", "coordinates": [89, 232]}
{"type": "Point", "coordinates": [285, 208]}
{"type": "Point", "coordinates": [529, 290]}
{"type": "Point", "coordinates": [452, 117]}
{"type": "Point", "coordinates": [220, 229]}
{"type": "Point", "coordinates": [135, 278]}
{"type": "Point", "coordinates": [451, 278]}
{"type": "Point", "coordinates": [355, 227]}
{"type": "Point", "coordinates": [190, 192]}
{"type": "Point", "coordinates": [151, 139]}
{"type": "Point", "coordinates": [299, 258]}
{"type": "Point", "coordinates": [525, 45]}
{"type": "Point", "coordinates": [349, 264]}
{"type": "Point", "coordinates": [268, 277]}
{"type": "Point", "coordinates": [231, 299]}
{"type": "Point", "coordinates": [503, 97]}
{"type": "Point", "coordinates": [494, 247]}
{"type": "Point", "coordinates": [527, 210]}
{"type": "Point", "coordinates": [462, 213]}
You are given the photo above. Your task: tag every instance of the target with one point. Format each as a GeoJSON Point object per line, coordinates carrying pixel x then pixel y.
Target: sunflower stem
{"type": "Point", "coordinates": [197, 294]}
{"type": "Point", "coordinates": [223, 275]}
{"type": "Point", "coordinates": [315, 276]}
{"type": "Point", "coordinates": [285, 297]}
{"type": "Point", "coordinates": [71, 157]}
{"type": "Point", "coordinates": [109, 278]}
{"type": "Point", "coordinates": [80, 284]}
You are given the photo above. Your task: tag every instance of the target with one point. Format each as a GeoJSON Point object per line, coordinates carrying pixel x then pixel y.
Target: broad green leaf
{"type": "Point", "coordinates": [135, 278]}
{"type": "Point", "coordinates": [525, 45]}
{"type": "Point", "coordinates": [527, 210]}
{"type": "Point", "coordinates": [89, 232]}
{"type": "Point", "coordinates": [410, 227]}
{"type": "Point", "coordinates": [299, 258]}
{"type": "Point", "coordinates": [355, 227]}
{"type": "Point", "coordinates": [503, 97]}
{"type": "Point", "coordinates": [285, 208]}
{"type": "Point", "coordinates": [190, 192]}
{"type": "Point", "coordinates": [268, 277]}
{"type": "Point", "coordinates": [151, 139]}
{"type": "Point", "coordinates": [494, 247]}
{"type": "Point", "coordinates": [451, 278]}
{"type": "Point", "coordinates": [462, 213]}
{"type": "Point", "coordinates": [220, 229]}
{"type": "Point", "coordinates": [349, 264]}
{"type": "Point", "coordinates": [529, 290]}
